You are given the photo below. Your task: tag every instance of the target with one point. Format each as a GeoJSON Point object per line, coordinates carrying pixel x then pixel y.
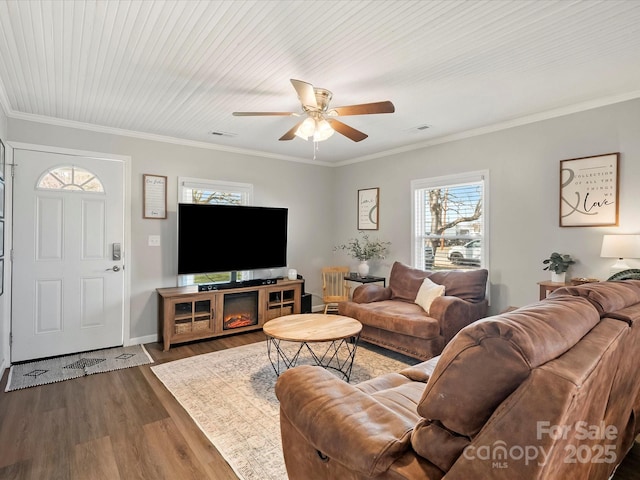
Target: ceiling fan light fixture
{"type": "Point", "coordinates": [315, 104]}
{"type": "Point", "coordinates": [306, 128]}
{"type": "Point", "coordinates": [318, 128]}
{"type": "Point", "coordinates": [323, 130]}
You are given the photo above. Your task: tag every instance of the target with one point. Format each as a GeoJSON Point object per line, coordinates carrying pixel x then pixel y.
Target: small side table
{"type": "Point", "coordinates": [355, 277]}
{"type": "Point", "coordinates": [548, 287]}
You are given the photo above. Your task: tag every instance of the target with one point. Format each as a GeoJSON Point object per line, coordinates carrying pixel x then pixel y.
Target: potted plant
{"type": "Point", "coordinates": [558, 264]}
{"type": "Point", "coordinates": [364, 250]}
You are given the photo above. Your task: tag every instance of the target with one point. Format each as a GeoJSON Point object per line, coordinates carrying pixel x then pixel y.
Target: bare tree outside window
{"type": "Point", "coordinates": [450, 207]}
{"type": "Point", "coordinates": [226, 198]}
{"type": "Point", "coordinates": [449, 222]}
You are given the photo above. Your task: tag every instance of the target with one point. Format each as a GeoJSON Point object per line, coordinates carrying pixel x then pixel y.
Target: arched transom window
{"type": "Point", "coordinates": [72, 178]}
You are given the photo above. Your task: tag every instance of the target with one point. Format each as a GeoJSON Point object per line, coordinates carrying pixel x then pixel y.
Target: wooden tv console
{"type": "Point", "coordinates": [186, 314]}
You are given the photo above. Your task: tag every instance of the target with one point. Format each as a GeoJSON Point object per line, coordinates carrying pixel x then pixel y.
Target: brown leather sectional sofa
{"type": "Point", "coordinates": [547, 391]}
{"type": "Point", "coordinates": [391, 319]}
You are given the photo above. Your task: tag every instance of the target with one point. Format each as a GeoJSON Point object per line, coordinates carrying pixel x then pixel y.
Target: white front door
{"type": "Point", "coordinates": [68, 286]}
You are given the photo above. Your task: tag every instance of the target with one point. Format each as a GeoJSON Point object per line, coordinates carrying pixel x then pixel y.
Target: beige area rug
{"type": "Point", "coordinates": [57, 369]}
{"type": "Point", "coordinates": [230, 395]}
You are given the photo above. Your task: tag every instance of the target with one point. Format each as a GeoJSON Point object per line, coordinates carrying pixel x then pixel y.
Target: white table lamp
{"type": "Point", "coordinates": [620, 247]}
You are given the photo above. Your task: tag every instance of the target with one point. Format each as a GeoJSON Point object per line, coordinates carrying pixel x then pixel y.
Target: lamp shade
{"type": "Point", "coordinates": [620, 246]}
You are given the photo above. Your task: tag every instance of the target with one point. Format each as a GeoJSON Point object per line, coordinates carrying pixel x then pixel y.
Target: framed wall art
{"type": "Point", "coordinates": [154, 195]}
{"type": "Point", "coordinates": [589, 191]}
{"type": "Point", "coordinates": [368, 212]}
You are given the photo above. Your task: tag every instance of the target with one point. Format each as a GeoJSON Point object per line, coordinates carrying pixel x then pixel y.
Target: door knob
{"type": "Point", "coordinates": [115, 268]}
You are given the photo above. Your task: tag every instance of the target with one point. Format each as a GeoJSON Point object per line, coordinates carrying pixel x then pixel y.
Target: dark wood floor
{"type": "Point", "coordinates": [117, 425]}
{"type": "Point", "coordinates": [122, 425]}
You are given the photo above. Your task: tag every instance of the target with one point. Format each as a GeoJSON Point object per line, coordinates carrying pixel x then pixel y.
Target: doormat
{"type": "Point", "coordinates": [57, 369]}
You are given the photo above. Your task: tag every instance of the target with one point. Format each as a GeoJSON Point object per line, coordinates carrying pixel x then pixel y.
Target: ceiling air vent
{"type": "Point", "coordinates": [220, 133]}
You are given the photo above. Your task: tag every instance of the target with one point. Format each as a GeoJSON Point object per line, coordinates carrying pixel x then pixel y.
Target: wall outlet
{"type": "Point", "coordinates": [154, 240]}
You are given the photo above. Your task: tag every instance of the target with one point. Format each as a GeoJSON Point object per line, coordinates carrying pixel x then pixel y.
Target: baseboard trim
{"type": "Point", "coordinates": [4, 365]}
{"type": "Point", "coordinates": [143, 340]}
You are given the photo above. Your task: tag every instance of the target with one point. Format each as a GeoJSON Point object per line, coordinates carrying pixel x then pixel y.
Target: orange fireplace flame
{"type": "Point", "coordinates": [238, 320]}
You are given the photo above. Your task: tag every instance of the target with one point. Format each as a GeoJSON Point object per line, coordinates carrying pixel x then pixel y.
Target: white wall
{"type": "Point", "coordinates": [304, 189]}
{"type": "Point", "coordinates": [524, 164]}
{"type": "Point", "coordinates": [4, 303]}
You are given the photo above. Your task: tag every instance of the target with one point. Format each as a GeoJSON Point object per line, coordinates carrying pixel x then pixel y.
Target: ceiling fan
{"type": "Point", "coordinates": [320, 122]}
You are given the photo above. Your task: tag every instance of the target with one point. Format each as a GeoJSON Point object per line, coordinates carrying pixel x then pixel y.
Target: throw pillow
{"type": "Point", "coordinates": [427, 293]}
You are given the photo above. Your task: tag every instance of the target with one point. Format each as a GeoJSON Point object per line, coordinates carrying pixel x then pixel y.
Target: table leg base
{"type": "Point", "coordinates": [337, 355]}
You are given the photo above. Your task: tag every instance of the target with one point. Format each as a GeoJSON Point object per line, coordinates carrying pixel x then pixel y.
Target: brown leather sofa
{"type": "Point", "coordinates": [546, 391]}
{"type": "Point", "coordinates": [391, 319]}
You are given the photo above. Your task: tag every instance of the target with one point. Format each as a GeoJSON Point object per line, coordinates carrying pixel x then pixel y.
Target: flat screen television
{"type": "Point", "coordinates": [229, 238]}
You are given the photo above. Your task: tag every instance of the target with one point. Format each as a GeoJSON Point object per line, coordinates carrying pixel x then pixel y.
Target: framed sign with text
{"type": "Point", "coordinates": [154, 196]}
{"type": "Point", "coordinates": [589, 191]}
{"type": "Point", "coordinates": [368, 209]}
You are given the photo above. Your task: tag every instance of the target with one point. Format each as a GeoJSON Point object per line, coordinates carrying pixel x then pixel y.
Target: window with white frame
{"type": "Point", "coordinates": [70, 178]}
{"type": "Point", "coordinates": [450, 221]}
{"type": "Point", "coordinates": [196, 190]}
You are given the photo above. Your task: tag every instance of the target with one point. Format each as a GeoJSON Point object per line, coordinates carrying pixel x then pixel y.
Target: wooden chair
{"type": "Point", "coordinates": [334, 287]}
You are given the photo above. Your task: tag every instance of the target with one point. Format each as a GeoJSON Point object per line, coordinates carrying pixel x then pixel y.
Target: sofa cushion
{"type": "Point", "coordinates": [405, 281]}
{"type": "Point", "coordinates": [402, 399]}
{"type": "Point", "coordinates": [382, 382]}
{"type": "Point", "coordinates": [605, 296]}
{"type": "Point", "coordinates": [487, 361]}
{"type": "Point", "coordinates": [469, 285]}
{"type": "Point", "coordinates": [630, 315]}
{"type": "Point", "coordinates": [391, 315]}
{"type": "Point", "coordinates": [427, 293]}
{"type": "Point", "coordinates": [396, 392]}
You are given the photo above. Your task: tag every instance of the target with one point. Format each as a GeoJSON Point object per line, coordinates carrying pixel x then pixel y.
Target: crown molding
{"type": "Point", "coordinates": [496, 127]}
{"type": "Point", "coordinates": [152, 136]}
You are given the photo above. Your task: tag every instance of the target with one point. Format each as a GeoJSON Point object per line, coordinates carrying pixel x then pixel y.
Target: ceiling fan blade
{"type": "Point", "coordinates": [346, 130]}
{"type": "Point", "coordinates": [365, 108]}
{"type": "Point", "coordinates": [306, 94]}
{"type": "Point", "coordinates": [264, 114]}
{"type": "Point", "coordinates": [290, 135]}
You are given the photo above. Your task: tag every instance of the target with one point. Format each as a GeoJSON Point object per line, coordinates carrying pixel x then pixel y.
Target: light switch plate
{"type": "Point", "coordinates": [154, 240]}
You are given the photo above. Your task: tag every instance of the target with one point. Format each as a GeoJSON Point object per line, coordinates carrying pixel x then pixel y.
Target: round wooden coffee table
{"type": "Point", "coordinates": [331, 340]}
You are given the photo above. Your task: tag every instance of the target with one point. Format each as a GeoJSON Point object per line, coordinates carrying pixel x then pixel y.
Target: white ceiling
{"type": "Point", "coordinates": [180, 68]}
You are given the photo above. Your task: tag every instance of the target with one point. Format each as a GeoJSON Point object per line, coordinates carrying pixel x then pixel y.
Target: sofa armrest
{"type": "Point", "coordinates": [340, 421]}
{"type": "Point", "coordinates": [453, 314]}
{"type": "Point", "coordinates": [371, 293]}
